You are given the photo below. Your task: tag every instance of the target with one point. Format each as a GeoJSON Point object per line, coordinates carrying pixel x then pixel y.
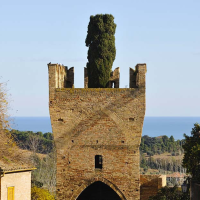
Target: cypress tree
{"type": "Point", "coordinates": [101, 53]}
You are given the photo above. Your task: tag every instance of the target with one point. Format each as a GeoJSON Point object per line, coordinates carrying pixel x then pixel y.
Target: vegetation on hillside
{"type": "Point", "coordinates": [153, 151]}
{"type": "Point", "coordinates": [159, 145]}
{"type": "Point", "coordinates": [45, 175]}
{"type": "Point", "coordinates": [36, 142]}
{"type": "Point", "coordinates": [39, 143]}
{"type": "Point", "coordinates": [101, 53]}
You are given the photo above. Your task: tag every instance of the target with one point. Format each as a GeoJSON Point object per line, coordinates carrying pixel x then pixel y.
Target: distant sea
{"type": "Point", "coordinates": [153, 126]}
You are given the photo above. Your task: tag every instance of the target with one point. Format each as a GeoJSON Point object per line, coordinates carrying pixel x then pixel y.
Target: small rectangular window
{"type": "Point", "coordinates": [11, 193]}
{"type": "Point", "coordinates": [98, 162]}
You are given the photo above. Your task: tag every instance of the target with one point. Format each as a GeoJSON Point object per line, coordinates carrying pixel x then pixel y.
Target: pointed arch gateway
{"type": "Point", "coordinates": [100, 189]}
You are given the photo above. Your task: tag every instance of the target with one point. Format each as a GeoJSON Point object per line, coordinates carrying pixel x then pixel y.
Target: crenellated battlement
{"type": "Point", "coordinates": [113, 81]}
{"type": "Point", "coordinates": [62, 77]}
{"type": "Point", "coordinates": [137, 76]}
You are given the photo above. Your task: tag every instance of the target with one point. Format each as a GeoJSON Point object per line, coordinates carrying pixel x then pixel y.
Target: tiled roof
{"type": "Point", "coordinates": [176, 175]}
{"type": "Point", "coordinates": [15, 170]}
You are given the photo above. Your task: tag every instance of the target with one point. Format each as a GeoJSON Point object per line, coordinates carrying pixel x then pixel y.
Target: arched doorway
{"type": "Point", "coordinates": [98, 191]}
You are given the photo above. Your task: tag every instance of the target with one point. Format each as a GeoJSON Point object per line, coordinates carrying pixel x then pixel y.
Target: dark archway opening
{"type": "Point", "coordinates": [98, 191]}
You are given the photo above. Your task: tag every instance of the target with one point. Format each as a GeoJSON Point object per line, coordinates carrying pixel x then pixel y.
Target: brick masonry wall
{"type": "Point", "coordinates": [150, 184]}
{"type": "Point", "coordinates": [89, 122]}
{"type": "Point", "coordinates": [21, 182]}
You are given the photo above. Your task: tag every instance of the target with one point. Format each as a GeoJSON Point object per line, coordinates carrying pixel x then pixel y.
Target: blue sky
{"type": "Point", "coordinates": [163, 34]}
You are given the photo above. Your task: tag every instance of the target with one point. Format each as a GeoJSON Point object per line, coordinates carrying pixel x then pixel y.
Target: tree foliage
{"type": "Point", "coordinates": [191, 159]}
{"type": "Point", "coordinates": [151, 146]}
{"type": "Point", "coordinates": [36, 142]}
{"type": "Point", "coordinates": [158, 145]}
{"type": "Point", "coordinates": [101, 53]}
{"type": "Point", "coordinates": [4, 122]}
{"type": "Point", "coordinates": [45, 174]}
{"type": "Point", "coordinates": [6, 140]}
{"type": "Point", "coordinates": [167, 193]}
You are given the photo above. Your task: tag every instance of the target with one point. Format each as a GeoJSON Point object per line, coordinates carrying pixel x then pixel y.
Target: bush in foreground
{"type": "Point", "coordinates": [170, 193]}
{"type": "Point", "coordinates": [40, 194]}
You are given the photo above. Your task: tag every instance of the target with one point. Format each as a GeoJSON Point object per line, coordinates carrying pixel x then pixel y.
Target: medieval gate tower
{"type": "Point", "coordinates": [97, 132]}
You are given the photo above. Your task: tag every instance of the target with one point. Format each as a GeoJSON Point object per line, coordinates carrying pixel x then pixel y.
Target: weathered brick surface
{"type": "Point", "coordinates": [89, 122]}
{"type": "Point", "coordinates": [150, 184]}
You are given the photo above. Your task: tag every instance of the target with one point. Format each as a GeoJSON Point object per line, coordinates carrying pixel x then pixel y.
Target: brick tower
{"type": "Point", "coordinates": [97, 132]}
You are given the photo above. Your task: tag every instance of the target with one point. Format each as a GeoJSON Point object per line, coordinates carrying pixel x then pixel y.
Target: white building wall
{"type": "Point", "coordinates": [22, 183]}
